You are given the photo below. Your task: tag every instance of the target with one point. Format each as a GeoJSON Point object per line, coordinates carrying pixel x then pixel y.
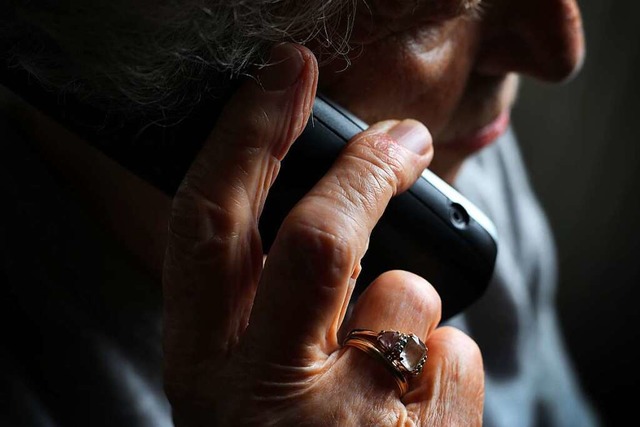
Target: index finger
{"type": "Point", "coordinates": [315, 257]}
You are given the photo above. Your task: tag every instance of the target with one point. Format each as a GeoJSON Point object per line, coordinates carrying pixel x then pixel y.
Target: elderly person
{"type": "Point", "coordinates": [251, 339]}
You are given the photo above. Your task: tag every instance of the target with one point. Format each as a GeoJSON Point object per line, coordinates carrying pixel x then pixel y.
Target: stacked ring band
{"type": "Point", "coordinates": [403, 354]}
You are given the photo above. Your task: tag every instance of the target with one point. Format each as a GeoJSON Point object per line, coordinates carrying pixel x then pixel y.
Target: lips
{"type": "Point", "coordinates": [481, 137]}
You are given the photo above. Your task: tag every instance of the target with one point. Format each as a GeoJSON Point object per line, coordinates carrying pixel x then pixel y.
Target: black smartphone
{"type": "Point", "coordinates": [430, 230]}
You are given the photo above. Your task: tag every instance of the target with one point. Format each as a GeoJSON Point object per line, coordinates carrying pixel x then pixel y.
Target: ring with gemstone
{"type": "Point", "coordinates": [403, 354]}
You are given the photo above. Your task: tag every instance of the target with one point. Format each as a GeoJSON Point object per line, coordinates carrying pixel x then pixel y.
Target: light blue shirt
{"type": "Point", "coordinates": [530, 380]}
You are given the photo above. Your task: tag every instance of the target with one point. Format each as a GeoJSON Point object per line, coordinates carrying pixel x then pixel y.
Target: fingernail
{"type": "Point", "coordinates": [283, 68]}
{"type": "Point", "coordinates": [412, 135]}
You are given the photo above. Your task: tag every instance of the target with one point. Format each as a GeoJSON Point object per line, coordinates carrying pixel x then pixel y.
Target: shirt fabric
{"type": "Point", "coordinates": [530, 380]}
{"type": "Point", "coordinates": [81, 322]}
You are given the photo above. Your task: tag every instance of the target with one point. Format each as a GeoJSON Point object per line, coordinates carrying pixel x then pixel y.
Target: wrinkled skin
{"type": "Point", "coordinates": [455, 71]}
{"type": "Point", "coordinates": [255, 340]}
{"type": "Point", "coordinates": [247, 345]}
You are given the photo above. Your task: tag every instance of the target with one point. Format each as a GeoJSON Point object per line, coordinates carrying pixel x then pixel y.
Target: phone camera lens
{"type": "Point", "coordinates": [459, 216]}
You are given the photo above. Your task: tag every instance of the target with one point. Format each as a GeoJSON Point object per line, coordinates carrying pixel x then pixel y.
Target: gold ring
{"type": "Point", "coordinates": [403, 354]}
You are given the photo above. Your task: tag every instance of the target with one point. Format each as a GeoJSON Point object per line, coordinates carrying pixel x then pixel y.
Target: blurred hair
{"type": "Point", "coordinates": [161, 57]}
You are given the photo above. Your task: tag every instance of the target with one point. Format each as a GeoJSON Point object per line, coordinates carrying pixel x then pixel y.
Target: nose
{"type": "Point", "coordinates": [540, 38]}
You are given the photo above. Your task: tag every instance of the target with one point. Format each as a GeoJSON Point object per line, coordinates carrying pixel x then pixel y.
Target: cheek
{"type": "Point", "coordinates": [419, 74]}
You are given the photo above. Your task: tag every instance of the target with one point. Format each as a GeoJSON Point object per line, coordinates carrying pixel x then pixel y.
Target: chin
{"type": "Point", "coordinates": [482, 116]}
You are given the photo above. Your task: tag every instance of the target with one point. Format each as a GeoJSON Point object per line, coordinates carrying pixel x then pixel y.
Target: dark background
{"type": "Point", "coordinates": [582, 144]}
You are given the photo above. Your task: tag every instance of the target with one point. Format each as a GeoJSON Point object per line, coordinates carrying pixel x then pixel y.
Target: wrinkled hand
{"type": "Point", "coordinates": [254, 342]}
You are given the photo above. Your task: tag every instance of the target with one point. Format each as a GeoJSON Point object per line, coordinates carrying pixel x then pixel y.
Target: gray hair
{"type": "Point", "coordinates": [162, 56]}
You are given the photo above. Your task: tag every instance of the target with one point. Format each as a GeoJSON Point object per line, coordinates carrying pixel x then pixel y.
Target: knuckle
{"type": "Point", "coordinates": [369, 179]}
{"type": "Point", "coordinates": [348, 191]}
{"type": "Point", "coordinates": [381, 159]}
{"type": "Point", "coordinates": [196, 219]}
{"type": "Point", "coordinates": [319, 244]}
